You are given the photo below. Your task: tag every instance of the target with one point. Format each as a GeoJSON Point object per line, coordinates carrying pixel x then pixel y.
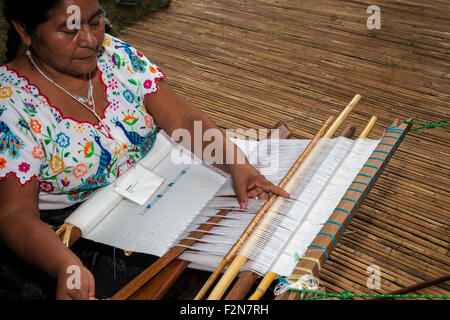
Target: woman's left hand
{"type": "Point", "coordinates": [249, 183]}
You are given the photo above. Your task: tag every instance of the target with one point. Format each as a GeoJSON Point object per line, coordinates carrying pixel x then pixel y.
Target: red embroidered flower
{"type": "Point", "coordinates": [24, 167]}
{"type": "Point", "coordinates": [148, 84]}
{"type": "Point", "coordinates": [46, 186]}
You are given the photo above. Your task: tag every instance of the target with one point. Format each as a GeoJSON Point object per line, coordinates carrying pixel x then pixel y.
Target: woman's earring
{"type": "Point", "coordinates": [28, 54]}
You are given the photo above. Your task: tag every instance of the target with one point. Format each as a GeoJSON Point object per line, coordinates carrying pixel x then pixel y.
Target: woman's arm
{"type": "Point", "coordinates": [172, 112]}
{"type": "Point", "coordinates": [34, 241]}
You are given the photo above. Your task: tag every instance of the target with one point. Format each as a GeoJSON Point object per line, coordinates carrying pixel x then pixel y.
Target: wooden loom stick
{"type": "Point", "coordinates": [368, 128]}
{"type": "Point", "coordinates": [342, 116]}
{"type": "Point", "coordinates": [416, 287]}
{"type": "Point", "coordinates": [271, 276]}
{"type": "Point", "coordinates": [247, 278]}
{"type": "Point", "coordinates": [157, 287]}
{"type": "Point", "coordinates": [323, 244]}
{"type": "Point", "coordinates": [240, 260]}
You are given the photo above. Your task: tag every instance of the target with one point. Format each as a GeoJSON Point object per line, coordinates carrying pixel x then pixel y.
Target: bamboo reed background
{"type": "Point", "coordinates": [248, 64]}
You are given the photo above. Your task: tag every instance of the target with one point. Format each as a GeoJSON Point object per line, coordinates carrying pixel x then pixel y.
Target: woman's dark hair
{"type": "Point", "coordinates": [29, 13]}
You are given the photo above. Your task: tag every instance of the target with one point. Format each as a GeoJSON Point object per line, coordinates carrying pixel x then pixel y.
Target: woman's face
{"type": "Point", "coordinates": [67, 46]}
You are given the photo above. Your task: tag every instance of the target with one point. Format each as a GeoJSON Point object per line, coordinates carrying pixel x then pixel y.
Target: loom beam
{"type": "Point", "coordinates": [323, 245]}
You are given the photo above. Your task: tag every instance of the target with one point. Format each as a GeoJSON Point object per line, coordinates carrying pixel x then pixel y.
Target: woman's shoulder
{"type": "Point", "coordinates": [17, 93]}
{"type": "Point", "coordinates": [120, 59]}
{"type": "Point", "coordinates": [123, 55]}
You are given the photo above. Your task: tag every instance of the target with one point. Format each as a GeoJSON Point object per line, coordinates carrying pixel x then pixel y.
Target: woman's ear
{"type": "Point", "coordinates": [22, 33]}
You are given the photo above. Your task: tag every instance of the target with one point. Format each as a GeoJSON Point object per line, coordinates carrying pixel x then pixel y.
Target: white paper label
{"type": "Point", "coordinates": [139, 185]}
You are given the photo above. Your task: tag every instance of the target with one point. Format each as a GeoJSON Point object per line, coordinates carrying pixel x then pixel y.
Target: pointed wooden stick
{"type": "Point", "coordinates": [417, 286]}
{"type": "Point", "coordinates": [368, 128]}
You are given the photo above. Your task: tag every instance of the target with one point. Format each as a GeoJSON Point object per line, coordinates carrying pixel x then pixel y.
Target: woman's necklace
{"type": "Point", "coordinates": [89, 99]}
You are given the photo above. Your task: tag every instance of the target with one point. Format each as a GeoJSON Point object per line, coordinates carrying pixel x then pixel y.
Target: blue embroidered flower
{"type": "Point", "coordinates": [106, 68]}
{"type": "Point", "coordinates": [129, 96]}
{"type": "Point", "coordinates": [57, 117]}
{"type": "Point", "coordinates": [63, 140]}
{"type": "Point", "coordinates": [8, 78]}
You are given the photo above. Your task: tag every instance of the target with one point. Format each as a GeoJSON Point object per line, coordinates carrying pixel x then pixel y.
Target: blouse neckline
{"type": "Point", "coordinates": [46, 99]}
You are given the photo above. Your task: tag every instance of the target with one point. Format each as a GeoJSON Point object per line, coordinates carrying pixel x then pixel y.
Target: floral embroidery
{"type": "Point", "coordinates": [148, 120]}
{"type": "Point", "coordinates": [38, 153]}
{"type": "Point", "coordinates": [6, 92]}
{"type": "Point", "coordinates": [71, 159]}
{"type": "Point", "coordinates": [88, 149]}
{"type": "Point", "coordinates": [23, 125]}
{"type": "Point", "coordinates": [35, 126]}
{"type": "Point", "coordinates": [147, 84]}
{"type": "Point", "coordinates": [112, 83]}
{"type": "Point", "coordinates": [79, 127]}
{"type": "Point", "coordinates": [24, 167]}
{"type": "Point", "coordinates": [65, 182]}
{"type": "Point", "coordinates": [80, 170]}
{"type": "Point", "coordinates": [114, 104]}
{"type": "Point", "coordinates": [46, 186]}
{"type": "Point", "coordinates": [130, 120]}
{"type": "Point", "coordinates": [128, 95]}
{"type": "Point", "coordinates": [63, 140]}
{"type": "Point", "coordinates": [2, 163]}
{"type": "Point", "coordinates": [57, 164]}
{"type": "Point", "coordinates": [107, 42]}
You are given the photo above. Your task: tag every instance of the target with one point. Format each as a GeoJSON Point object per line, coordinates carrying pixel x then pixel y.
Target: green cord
{"type": "Point", "coordinates": [348, 295]}
{"type": "Point", "coordinates": [439, 123]}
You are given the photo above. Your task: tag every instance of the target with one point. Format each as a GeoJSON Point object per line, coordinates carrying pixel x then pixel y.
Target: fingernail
{"type": "Point", "coordinates": [242, 205]}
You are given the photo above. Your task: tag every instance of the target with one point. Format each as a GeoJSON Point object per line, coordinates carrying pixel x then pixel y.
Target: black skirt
{"type": "Point", "coordinates": [111, 268]}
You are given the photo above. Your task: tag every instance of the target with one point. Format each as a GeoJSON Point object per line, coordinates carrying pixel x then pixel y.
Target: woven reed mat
{"type": "Point", "coordinates": [248, 64]}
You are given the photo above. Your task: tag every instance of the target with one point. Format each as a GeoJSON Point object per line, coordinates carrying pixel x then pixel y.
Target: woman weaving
{"type": "Point", "coordinates": [77, 109]}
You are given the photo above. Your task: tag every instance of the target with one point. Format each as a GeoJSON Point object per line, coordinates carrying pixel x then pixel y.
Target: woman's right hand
{"type": "Point", "coordinates": [75, 282]}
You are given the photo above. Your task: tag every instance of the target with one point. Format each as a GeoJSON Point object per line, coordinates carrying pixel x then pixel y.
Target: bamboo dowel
{"type": "Point", "coordinates": [342, 116]}
{"type": "Point", "coordinates": [263, 285]}
{"type": "Point", "coordinates": [258, 216]}
{"type": "Point", "coordinates": [368, 128]}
